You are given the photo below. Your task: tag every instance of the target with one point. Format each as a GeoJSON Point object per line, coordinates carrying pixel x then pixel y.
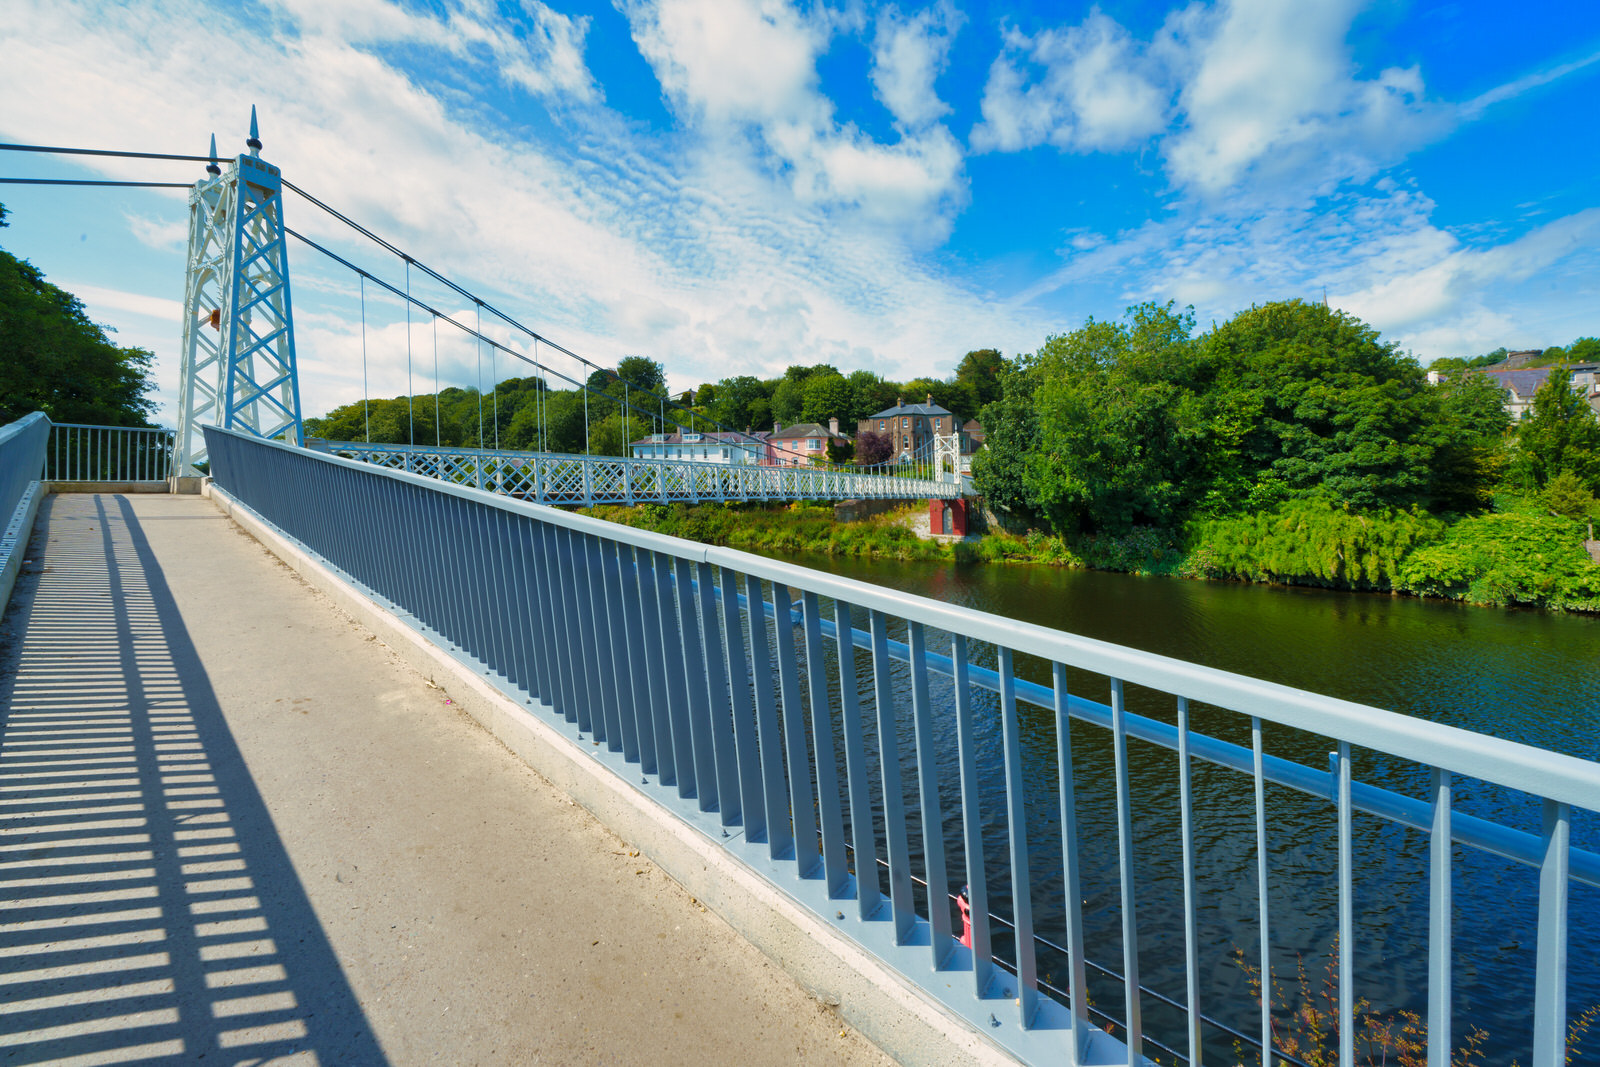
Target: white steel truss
{"type": "Point", "coordinates": [583, 481]}
{"type": "Point", "coordinates": [243, 376]}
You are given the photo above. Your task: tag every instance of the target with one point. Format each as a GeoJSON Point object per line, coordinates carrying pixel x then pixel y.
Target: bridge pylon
{"type": "Point", "coordinates": [238, 357]}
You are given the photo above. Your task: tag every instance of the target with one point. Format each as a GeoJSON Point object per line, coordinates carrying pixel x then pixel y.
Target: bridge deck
{"type": "Point", "coordinates": [231, 819]}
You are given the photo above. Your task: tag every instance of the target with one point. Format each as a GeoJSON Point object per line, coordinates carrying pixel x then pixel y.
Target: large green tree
{"type": "Point", "coordinates": [742, 402]}
{"type": "Point", "coordinates": [1559, 434]}
{"type": "Point", "coordinates": [1121, 435]}
{"type": "Point", "coordinates": [55, 360]}
{"type": "Point", "coordinates": [1319, 402]}
{"type": "Point", "coordinates": [827, 396]}
{"type": "Point", "coordinates": [982, 370]}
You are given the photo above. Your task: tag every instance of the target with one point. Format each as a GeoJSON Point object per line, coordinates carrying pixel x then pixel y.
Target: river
{"type": "Point", "coordinates": [1530, 677]}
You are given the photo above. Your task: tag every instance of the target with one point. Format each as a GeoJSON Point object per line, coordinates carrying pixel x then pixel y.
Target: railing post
{"type": "Point", "coordinates": [1550, 962]}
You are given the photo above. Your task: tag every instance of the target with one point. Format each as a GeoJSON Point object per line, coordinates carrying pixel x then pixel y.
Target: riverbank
{"type": "Point", "coordinates": [1511, 558]}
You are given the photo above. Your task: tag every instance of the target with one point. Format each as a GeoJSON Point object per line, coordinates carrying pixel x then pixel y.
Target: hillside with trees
{"type": "Point", "coordinates": [632, 401]}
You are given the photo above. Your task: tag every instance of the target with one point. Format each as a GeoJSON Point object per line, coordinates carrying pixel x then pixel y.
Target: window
{"type": "Point", "coordinates": [882, 425]}
{"type": "Point", "coordinates": [905, 424]}
{"type": "Point", "coordinates": [692, 438]}
{"type": "Point", "coordinates": [905, 442]}
{"type": "Point", "coordinates": [814, 443]}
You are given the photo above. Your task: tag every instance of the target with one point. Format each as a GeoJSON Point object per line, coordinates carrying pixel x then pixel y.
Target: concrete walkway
{"type": "Point", "coordinates": [236, 828]}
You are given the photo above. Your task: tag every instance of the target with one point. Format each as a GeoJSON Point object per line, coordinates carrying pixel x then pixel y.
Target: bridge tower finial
{"type": "Point", "coordinates": [211, 167]}
{"type": "Point", "coordinates": [254, 143]}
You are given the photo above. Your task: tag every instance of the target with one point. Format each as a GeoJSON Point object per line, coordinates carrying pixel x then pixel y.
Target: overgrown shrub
{"type": "Point", "coordinates": [1516, 558]}
{"type": "Point", "coordinates": [1312, 542]}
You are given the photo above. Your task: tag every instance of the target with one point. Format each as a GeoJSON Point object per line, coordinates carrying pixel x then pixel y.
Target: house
{"type": "Point", "coordinates": [749, 449]}
{"type": "Point", "coordinates": [911, 427]}
{"type": "Point", "coordinates": [804, 443]}
{"type": "Point", "coordinates": [1519, 386]}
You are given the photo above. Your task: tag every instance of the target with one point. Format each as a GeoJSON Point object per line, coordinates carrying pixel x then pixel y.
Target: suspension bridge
{"type": "Point", "coordinates": [882, 791]}
{"type": "Point", "coordinates": [240, 369]}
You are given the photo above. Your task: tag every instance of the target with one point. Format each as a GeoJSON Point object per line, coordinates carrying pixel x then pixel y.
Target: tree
{"type": "Point", "coordinates": [735, 402]}
{"type": "Point", "coordinates": [1559, 434]}
{"type": "Point", "coordinates": [1469, 433]}
{"type": "Point", "coordinates": [606, 437]}
{"type": "Point", "coordinates": [1323, 405]}
{"type": "Point", "coordinates": [870, 394]}
{"type": "Point", "coordinates": [1000, 471]}
{"type": "Point", "coordinates": [873, 447]}
{"type": "Point", "coordinates": [789, 399]}
{"type": "Point", "coordinates": [825, 396]}
{"type": "Point", "coordinates": [643, 374]}
{"type": "Point", "coordinates": [55, 360]}
{"type": "Point", "coordinates": [1120, 438]}
{"type": "Point", "coordinates": [982, 370]}
{"type": "Point", "coordinates": [1584, 350]}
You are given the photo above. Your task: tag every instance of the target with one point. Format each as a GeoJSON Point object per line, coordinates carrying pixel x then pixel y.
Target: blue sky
{"type": "Point", "coordinates": [730, 186]}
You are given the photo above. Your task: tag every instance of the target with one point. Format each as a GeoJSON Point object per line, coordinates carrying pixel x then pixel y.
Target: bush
{"type": "Point", "coordinates": [1518, 558]}
{"type": "Point", "coordinates": [1312, 542]}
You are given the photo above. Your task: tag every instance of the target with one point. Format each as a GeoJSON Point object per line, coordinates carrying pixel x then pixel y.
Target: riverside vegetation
{"type": "Point", "coordinates": [1290, 444]}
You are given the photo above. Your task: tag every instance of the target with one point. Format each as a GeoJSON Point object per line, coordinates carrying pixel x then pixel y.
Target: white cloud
{"type": "Point", "coordinates": [1274, 93]}
{"type": "Point", "coordinates": [908, 55]}
{"type": "Point", "coordinates": [743, 73]}
{"type": "Point", "coordinates": [160, 234]}
{"type": "Point", "coordinates": [530, 45]}
{"type": "Point", "coordinates": [96, 298]}
{"type": "Point", "coordinates": [1375, 252]}
{"type": "Point", "coordinates": [1096, 91]}
{"type": "Point", "coordinates": [734, 60]}
{"type": "Point", "coordinates": [708, 249]}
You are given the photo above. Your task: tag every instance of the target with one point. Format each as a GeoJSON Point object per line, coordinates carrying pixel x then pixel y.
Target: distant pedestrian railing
{"type": "Point", "coordinates": [871, 751]}
{"type": "Point", "coordinates": [557, 478]}
{"type": "Point", "coordinates": [118, 454]}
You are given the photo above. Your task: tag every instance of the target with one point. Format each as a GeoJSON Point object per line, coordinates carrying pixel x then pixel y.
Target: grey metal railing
{"type": "Point", "coordinates": [21, 458]}
{"type": "Point", "coordinates": [83, 453]}
{"type": "Point", "coordinates": [558, 478]}
{"type": "Point", "coordinates": [707, 671]}
{"type": "Point", "coordinates": [22, 446]}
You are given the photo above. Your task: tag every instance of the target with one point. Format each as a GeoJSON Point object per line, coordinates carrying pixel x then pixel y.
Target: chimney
{"type": "Point", "coordinates": [776, 425]}
{"type": "Point", "coordinates": [899, 401]}
{"type": "Point", "coordinates": [833, 427]}
{"type": "Point", "coordinates": [930, 400]}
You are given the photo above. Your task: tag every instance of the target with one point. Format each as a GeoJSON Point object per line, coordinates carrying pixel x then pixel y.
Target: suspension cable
{"type": "Point", "coordinates": [411, 418]}
{"type": "Point", "coordinates": [366, 393]}
{"type": "Point", "coordinates": [437, 440]}
{"type": "Point", "coordinates": [359, 228]}
{"type": "Point", "coordinates": [477, 347]}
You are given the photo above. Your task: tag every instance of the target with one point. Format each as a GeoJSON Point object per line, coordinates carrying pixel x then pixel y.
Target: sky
{"type": "Point", "coordinates": [732, 186]}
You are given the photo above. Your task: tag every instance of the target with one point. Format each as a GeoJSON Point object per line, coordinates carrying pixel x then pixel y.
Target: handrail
{"type": "Point", "coordinates": [630, 639]}
{"type": "Point", "coordinates": [81, 452]}
{"type": "Point", "coordinates": [562, 478]}
{"type": "Point", "coordinates": [21, 459]}
{"type": "Point", "coordinates": [22, 446]}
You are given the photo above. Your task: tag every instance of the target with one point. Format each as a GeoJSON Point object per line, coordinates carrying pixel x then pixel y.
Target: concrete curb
{"type": "Point", "coordinates": [874, 999]}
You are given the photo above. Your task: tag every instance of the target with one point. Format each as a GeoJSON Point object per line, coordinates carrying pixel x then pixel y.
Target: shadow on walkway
{"type": "Point", "coordinates": [148, 909]}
